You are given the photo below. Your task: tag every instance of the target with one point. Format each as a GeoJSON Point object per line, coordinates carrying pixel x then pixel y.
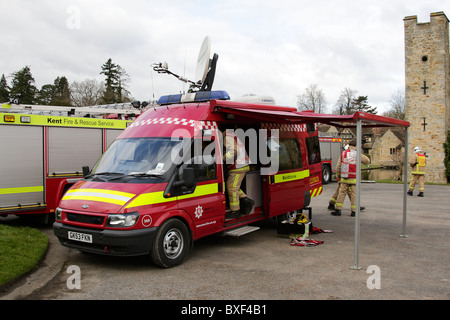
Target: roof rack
{"type": "Point", "coordinates": [91, 111]}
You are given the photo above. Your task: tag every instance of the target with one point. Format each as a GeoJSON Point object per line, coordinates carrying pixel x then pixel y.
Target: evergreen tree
{"type": "Point", "coordinates": [45, 95]}
{"type": "Point", "coordinates": [56, 94]}
{"type": "Point", "coordinates": [115, 83]}
{"type": "Point", "coordinates": [61, 92]}
{"type": "Point", "coordinates": [110, 70]}
{"type": "Point", "coordinates": [4, 90]}
{"type": "Point", "coordinates": [23, 89]}
{"type": "Point", "coordinates": [360, 104]}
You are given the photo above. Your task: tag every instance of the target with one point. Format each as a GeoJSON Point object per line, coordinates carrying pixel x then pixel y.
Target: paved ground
{"type": "Point", "coordinates": [263, 265]}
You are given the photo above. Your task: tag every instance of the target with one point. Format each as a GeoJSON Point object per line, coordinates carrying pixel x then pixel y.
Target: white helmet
{"type": "Point", "coordinates": [417, 149]}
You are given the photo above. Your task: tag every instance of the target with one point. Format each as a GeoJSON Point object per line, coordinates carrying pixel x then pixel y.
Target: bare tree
{"type": "Point", "coordinates": [312, 99]}
{"type": "Point", "coordinates": [344, 104]}
{"type": "Point", "coordinates": [398, 105]}
{"type": "Point", "coordinates": [86, 93]}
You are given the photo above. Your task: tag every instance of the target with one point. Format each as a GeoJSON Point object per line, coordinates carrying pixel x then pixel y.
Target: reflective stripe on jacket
{"type": "Point", "coordinates": [348, 164]}
{"type": "Point", "coordinates": [419, 166]}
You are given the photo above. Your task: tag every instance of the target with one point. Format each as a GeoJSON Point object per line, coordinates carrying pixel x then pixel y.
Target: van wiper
{"type": "Point", "coordinates": [107, 173]}
{"type": "Point", "coordinates": [103, 174]}
{"type": "Point", "coordinates": [147, 173]}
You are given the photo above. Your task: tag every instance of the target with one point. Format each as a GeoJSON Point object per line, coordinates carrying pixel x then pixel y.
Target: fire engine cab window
{"type": "Point", "coordinates": [289, 154]}
{"type": "Point", "coordinates": [313, 148]}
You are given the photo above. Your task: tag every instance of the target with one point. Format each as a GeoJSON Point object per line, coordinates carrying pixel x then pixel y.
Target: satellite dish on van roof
{"type": "Point", "coordinates": [203, 61]}
{"type": "Point", "coordinates": [204, 73]}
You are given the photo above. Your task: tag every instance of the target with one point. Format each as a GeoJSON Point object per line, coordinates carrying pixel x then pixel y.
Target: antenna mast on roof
{"type": "Point", "coordinates": [204, 72]}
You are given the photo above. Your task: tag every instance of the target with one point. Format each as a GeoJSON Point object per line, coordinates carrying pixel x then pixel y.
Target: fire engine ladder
{"type": "Point", "coordinates": [240, 231]}
{"type": "Point", "coordinates": [97, 110]}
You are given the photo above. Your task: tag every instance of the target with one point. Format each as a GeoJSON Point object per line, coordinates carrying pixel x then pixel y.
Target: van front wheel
{"type": "Point", "coordinates": [171, 244]}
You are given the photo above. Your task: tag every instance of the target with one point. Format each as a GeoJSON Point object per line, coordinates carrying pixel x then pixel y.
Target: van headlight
{"type": "Point", "coordinates": [122, 220]}
{"type": "Point", "coordinates": [58, 214]}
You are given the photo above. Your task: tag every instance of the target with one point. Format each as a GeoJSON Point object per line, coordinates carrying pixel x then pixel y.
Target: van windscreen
{"type": "Point", "coordinates": [139, 157]}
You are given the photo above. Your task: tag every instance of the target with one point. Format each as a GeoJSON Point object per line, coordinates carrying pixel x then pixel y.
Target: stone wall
{"type": "Point", "coordinates": [427, 89]}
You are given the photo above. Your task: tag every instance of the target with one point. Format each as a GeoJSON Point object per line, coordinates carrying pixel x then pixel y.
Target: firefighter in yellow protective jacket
{"type": "Point", "coordinates": [346, 170]}
{"type": "Point", "coordinates": [238, 163]}
{"type": "Point", "coordinates": [418, 165]}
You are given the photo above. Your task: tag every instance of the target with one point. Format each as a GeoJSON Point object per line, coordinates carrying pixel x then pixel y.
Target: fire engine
{"type": "Point", "coordinates": [160, 186]}
{"type": "Point", "coordinates": [43, 149]}
{"type": "Point", "coordinates": [330, 151]}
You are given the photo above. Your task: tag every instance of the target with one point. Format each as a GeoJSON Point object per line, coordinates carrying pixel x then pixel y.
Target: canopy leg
{"type": "Point", "coordinates": [358, 193]}
{"type": "Point", "coordinates": [405, 184]}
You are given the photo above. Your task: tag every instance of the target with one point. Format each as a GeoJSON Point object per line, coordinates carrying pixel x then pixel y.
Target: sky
{"type": "Point", "coordinates": [265, 47]}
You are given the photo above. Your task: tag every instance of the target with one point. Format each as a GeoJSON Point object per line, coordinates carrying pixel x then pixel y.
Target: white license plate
{"type": "Point", "coordinates": [78, 236]}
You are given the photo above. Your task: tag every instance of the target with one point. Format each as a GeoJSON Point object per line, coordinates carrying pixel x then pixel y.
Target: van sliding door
{"type": "Point", "coordinates": [285, 190]}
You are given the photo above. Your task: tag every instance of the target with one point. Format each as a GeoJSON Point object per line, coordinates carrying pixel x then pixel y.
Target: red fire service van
{"type": "Point", "coordinates": [161, 184]}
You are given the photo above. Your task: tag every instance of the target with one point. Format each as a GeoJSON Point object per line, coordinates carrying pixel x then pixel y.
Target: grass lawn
{"type": "Point", "coordinates": [21, 248]}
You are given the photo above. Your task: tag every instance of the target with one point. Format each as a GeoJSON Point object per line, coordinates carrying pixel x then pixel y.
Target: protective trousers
{"type": "Point", "coordinates": [346, 189]}
{"type": "Point", "coordinates": [333, 198]}
{"type": "Point", "coordinates": [233, 185]}
{"type": "Point", "coordinates": [417, 178]}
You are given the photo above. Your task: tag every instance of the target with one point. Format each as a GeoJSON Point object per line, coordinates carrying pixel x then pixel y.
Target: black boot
{"type": "Point", "coordinates": [246, 205]}
{"type": "Point", "coordinates": [352, 214]}
{"type": "Point", "coordinates": [420, 194]}
{"type": "Point", "coordinates": [330, 206]}
{"type": "Point", "coordinates": [409, 193]}
{"type": "Point", "coordinates": [336, 212]}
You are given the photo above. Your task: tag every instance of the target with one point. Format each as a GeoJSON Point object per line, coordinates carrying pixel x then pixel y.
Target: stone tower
{"type": "Point", "coordinates": [427, 89]}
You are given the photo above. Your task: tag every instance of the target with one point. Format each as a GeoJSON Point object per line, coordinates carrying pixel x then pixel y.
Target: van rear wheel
{"type": "Point", "coordinates": [171, 244]}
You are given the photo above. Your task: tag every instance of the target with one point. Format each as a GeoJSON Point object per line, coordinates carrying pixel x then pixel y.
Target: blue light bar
{"type": "Point", "coordinates": [194, 97]}
{"type": "Point", "coordinates": [174, 98]}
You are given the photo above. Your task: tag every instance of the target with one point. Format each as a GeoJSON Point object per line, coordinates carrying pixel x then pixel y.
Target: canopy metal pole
{"type": "Point", "coordinates": [358, 189]}
{"type": "Point", "coordinates": [405, 184]}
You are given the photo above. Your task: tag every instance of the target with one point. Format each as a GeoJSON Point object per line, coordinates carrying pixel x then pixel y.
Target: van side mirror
{"type": "Point", "coordinates": [85, 171]}
{"type": "Point", "coordinates": [189, 179]}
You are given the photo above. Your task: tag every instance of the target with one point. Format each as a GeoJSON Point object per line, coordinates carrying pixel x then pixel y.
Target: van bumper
{"type": "Point", "coordinates": [108, 242]}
